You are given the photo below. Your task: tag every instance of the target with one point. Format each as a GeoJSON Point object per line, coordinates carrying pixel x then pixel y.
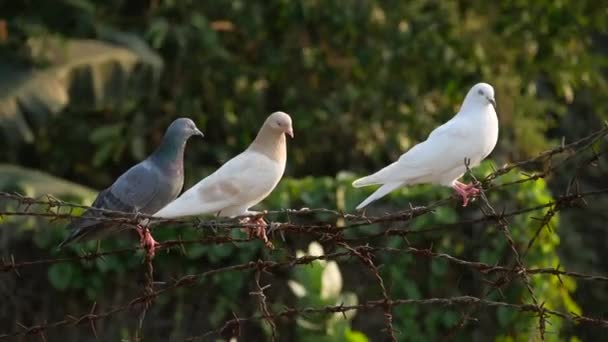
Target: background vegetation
{"type": "Point", "coordinates": [87, 89]}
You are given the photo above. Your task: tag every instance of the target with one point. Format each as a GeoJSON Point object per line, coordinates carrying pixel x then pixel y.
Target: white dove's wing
{"type": "Point", "coordinates": [242, 181]}
{"type": "Point", "coordinates": [443, 151]}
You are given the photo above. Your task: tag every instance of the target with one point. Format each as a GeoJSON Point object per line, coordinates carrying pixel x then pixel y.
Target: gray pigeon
{"type": "Point", "coordinates": [145, 188]}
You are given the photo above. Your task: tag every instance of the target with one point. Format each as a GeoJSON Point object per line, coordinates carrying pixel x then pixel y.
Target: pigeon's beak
{"type": "Point", "coordinates": [290, 132]}
{"type": "Point", "coordinates": [197, 132]}
{"type": "Point", "coordinates": [493, 102]}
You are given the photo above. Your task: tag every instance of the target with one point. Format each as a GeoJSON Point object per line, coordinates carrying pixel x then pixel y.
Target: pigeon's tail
{"type": "Point", "coordinates": [75, 234]}
{"type": "Point", "coordinates": [87, 230]}
{"type": "Point", "coordinates": [381, 192]}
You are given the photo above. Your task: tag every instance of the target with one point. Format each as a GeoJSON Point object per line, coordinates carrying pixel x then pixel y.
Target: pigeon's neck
{"type": "Point", "coordinates": [271, 143]}
{"type": "Point", "coordinates": [170, 153]}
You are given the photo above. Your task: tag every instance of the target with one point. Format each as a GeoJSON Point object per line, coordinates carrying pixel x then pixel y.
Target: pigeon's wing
{"type": "Point", "coordinates": [138, 186]}
{"type": "Point", "coordinates": [92, 224]}
{"type": "Point", "coordinates": [242, 181]}
{"type": "Point", "coordinates": [440, 152]}
{"type": "Point", "coordinates": [132, 191]}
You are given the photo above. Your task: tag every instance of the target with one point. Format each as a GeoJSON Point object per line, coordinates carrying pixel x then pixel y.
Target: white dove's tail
{"type": "Point", "coordinates": [381, 192]}
{"type": "Point", "coordinates": [373, 179]}
{"type": "Point", "coordinates": [388, 174]}
{"type": "Point", "coordinates": [364, 181]}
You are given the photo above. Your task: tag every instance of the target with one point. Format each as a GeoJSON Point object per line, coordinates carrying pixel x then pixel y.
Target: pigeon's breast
{"type": "Point", "coordinates": [169, 187]}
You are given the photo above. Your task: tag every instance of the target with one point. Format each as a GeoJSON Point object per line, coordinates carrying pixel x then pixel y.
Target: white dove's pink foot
{"type": "Point", "coordinates": [146, 240]}
{"type": "Point", "coordinates": [259, 231]}
{"type": "Point", "coordinates": [465, 191]}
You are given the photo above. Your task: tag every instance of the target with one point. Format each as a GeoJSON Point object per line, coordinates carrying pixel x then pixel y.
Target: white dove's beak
{"type": "Point", "coordinates": [290, 132]}
{"type": "Point", "coordinates": [198, 132]}
{"type": "Point", "coordinates": [493, 102]}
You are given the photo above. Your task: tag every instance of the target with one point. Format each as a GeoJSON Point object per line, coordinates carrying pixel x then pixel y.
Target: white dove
{"type": "Point", "coordinates": [241, 182]}
{"type": "Point", "coordinates": [470, 135]}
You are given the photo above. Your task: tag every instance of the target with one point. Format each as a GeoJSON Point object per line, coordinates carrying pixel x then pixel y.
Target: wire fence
{"type": "Point", "coordinates": [364, 248]}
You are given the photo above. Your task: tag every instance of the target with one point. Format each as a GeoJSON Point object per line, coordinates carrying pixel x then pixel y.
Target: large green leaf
{"type": "Point", "coordinates": [35, 184]}
{"type": "Point", "coordinates": [77, 74]}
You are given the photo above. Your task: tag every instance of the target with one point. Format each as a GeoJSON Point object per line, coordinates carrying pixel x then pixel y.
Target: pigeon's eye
{"type": "Point", "coordinates": [480, 92]}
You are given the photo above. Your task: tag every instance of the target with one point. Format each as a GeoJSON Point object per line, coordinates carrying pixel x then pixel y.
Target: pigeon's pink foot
{"type": "Point", "coordinates": [259, 231]}
{"type": "Point", "coordinates": [465, 191]}
{"type": "Point", "coordinates": [146, 240]}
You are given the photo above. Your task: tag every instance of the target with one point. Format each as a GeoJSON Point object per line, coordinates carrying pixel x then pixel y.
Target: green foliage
{"type": "Point", "coordinates": [77, 74]}
{"type": "Point", "coordinates": [36, 183]}
{"type": "Point", "coordinates": [317, 285]}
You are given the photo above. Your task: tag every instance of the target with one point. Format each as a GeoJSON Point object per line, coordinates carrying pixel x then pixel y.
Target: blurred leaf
{"type": "Point", "coordinates": [14, 178]}
{"type": "Point", "coordinates": [80, 74]}
{"type": "Point", "coordinates": [60, 275]}
{"type": "Point", "coordinates": [354, 336]}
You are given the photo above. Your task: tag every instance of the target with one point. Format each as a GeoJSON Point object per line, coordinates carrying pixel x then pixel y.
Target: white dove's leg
{"type": "Point", "coordinates": [259, 230]}
{"type": "Point", "coordinates": [465, 191]}
{"type": "Point", "coordinates": [470, 186]}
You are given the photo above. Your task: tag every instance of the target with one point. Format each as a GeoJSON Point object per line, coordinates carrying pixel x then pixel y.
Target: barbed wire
{"type": "Point", "coordinates": [363, 248]}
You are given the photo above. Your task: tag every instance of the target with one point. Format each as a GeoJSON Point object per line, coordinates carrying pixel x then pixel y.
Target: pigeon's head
{"type": "Point", "coordinates": [280, 122]}
{"type": "Point", "coordinates": [183, 128]}
{"type": "Point", "coordinates": [482, 94]}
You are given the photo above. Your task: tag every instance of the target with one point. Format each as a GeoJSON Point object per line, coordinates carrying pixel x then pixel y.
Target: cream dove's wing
{"type": "Point", "coordinates": [243, 181]}
{"type": "Point", "coordinates": [470, 135]}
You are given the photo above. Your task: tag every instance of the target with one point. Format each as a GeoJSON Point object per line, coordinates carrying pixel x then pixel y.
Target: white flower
{"type": "Point", "coordinates": [297, 288]}
{"type": "Point", "coordinates": [331, 281]}
{"type": "Point", "coordinates": [315, 249]}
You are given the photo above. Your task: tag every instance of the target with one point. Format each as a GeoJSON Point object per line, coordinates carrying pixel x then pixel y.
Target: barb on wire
{"type": "Point", "coordinates": [365, 254]}
{"type": "Point", "coordinates": [262, 302]}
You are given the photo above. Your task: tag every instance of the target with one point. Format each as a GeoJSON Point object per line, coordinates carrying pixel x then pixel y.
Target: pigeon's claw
{"type": "Point", "coordinates": [146, 240]}
{"type": "Point", "coordinates": [259, 230]}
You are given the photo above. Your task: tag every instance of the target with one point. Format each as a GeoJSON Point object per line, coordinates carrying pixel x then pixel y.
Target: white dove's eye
{"type": "Point", "coordinates": [480, 92]}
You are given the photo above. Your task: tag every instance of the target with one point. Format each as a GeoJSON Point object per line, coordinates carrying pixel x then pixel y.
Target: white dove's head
{"type": "Point", "coordinates": [482, 94]}
{"type": "Point", "coordinates": [281, 122]}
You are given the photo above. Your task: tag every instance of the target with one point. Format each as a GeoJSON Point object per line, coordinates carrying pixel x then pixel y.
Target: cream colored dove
{"type": "Point", "coordinates": [243, 181]}
{"type": "Point", "coordinates": [470, 135]}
